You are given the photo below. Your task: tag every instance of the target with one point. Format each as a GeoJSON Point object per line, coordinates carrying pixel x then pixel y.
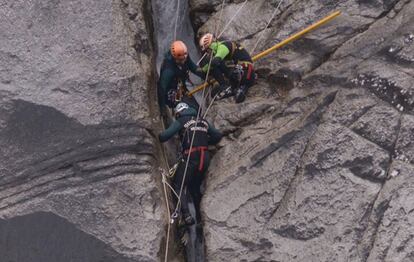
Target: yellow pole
{"type": "Point", "coordinates": [296, 36]}
{"type": "Point", "coordinates": [279, 45]}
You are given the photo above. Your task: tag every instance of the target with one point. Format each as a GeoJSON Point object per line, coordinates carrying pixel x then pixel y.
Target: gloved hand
{"type": "Point", "coordinates": [237, 73]}
{"type": "Point", "coordinates": [172, 94]}
{"type": "Point", "coordinates": [200, 73]}
{"type": "Point", "coordinates": [216, 61]}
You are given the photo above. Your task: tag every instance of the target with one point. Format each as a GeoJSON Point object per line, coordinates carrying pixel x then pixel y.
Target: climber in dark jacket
{"type": "Point", "coordinates": [174, 73]}
{"type": "Point", "coordinates": [232, 61]}
{"type": "Point", "coordinates": [186, 125]}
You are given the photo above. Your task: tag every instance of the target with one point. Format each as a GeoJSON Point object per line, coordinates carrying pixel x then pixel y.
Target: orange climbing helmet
{"type": "Point", "coordinates": [205, 41]}
{"type": "Point", "coordinates": [179, 50]}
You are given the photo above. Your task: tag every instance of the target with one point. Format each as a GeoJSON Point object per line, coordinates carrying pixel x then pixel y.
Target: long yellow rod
{"type": "Point", "coordinates": [296, 36]}
{"type": "Point", "coordinates": [281, 44]}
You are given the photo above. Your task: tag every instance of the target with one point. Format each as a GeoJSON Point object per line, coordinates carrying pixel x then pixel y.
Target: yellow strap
{"type": "Point", "coordinates": [245, 62]}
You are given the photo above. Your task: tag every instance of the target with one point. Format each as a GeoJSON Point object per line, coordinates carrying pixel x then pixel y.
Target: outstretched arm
{"type": "Point", "coordinates": [166, 77]}
{"type": "Point", "coordinates": [220, 51]}
{"type": "Point", "coordinates": [170, 131]}
{"type": "Point", "coordinates": [195, 69]}
{"type": "Point", "coordinates": [215, 135]}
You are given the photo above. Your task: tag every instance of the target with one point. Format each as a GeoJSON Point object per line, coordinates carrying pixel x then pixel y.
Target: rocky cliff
{"type": "Point", "coordinates": [77, 157]}
{"type": "Point", "coordinates": [317, 163]}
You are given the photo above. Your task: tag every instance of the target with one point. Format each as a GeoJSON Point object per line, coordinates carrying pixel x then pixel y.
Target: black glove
{"type": "Point", "coordinates": [216, 61]}
{"type": "Point", "coordinates": [237, 73]}
{"type": "Point", "coordinates": [172, 94]}
{"type": "Point", "coordinates": [199, 72]}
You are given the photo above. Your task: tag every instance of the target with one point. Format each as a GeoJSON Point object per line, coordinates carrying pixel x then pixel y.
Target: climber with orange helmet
{"type": "Point", "coordinates": [174, 73]}
{"type": "Point", "coordinates": [229, 60]}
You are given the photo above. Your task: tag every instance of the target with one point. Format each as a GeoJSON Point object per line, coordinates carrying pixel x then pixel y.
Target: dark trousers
{"type": "Point", "coordinates": [226, 70]}
{"type": "Point", "coordinates": [221, 71]}
{"type": "Point", "coordinates": [192, 182]}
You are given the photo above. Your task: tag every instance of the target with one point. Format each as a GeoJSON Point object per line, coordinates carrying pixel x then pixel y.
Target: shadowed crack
{"type": "Point", "coordinates": [261, 156]}
{"type": "Point", "coordinates": [360, 114]}
{"type": "Point", "coordinates": [262, 244]}
{"type": "Point", "coordinates": [47, 237]}
{"type": "Point", "coordinates": [381, 208]}
{"type": "Point", "coordinates": [379, 214]}
{"type": "Point", "coordinates": [313, 118]}
{"type": "Point", "coordinates": [294, 232]}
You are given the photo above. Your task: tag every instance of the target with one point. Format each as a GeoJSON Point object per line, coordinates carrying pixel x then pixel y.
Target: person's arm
{"type": "Point", "coordinates": [220, 51]}
{"type": "Point", "coordinates": [166, 77]}
{"type": "Point", "coordinates": [195, 69]}
{"type": "Point", "coordinates": [170, 131]}
{"type": "Point", "coordinates": [214, 135]}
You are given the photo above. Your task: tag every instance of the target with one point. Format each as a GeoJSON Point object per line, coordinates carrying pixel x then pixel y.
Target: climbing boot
{"type": "Point", "coordinates": [241, 94]}
{"type": "Point", "coordinates": [226, 92]}
{"type": "Point", "coordinates": [188, 219]}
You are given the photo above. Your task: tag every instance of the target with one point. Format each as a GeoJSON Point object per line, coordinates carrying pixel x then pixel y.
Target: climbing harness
{"type": "Point", "coordinates": [202, 150]}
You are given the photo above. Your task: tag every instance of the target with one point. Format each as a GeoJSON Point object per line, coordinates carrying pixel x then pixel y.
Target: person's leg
{"type": "Point", "coordinates": [191, 101]}
{"type": "Point", "coordinates": [246, 82]}
{"type": "Point", "coordinates": [217, 73]}
{"type": "Point", "coordinates": [196, 181]}
{"type": "Point", "coordinates": [177, 185]}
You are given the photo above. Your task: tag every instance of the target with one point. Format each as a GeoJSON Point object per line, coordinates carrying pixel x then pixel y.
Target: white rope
{"type": "Point", "coordinates": [231, 20]}
{"type": "Point", "coordinates": [164, 180]}
{"type": "Point", "coordinates": [211, 103]}
{"type": "Point", "coordinates": [169, 217]}
{"type": "Point", "coordinates": [167, 198]}
{"type": "Point", "coordinates": [215, 30]}
{"type": "Point", "coordinates": [219, 20]}
{"type": "Point", "coordinates": [165, 183]}
{"type": "Point", "coordinates": [176, 20]}
{"type": "Point", "coordinates": [201, 59]}
{"type": "Point", "coordinates": [262, 33]}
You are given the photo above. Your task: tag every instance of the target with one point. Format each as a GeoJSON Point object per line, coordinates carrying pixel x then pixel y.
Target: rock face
{"type": "Point", "coordinates": [317, 163]}
{"type": "Point", "coordinates": [75, 133]}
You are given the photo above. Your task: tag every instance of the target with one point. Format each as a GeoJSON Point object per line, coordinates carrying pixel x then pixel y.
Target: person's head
{"type": "Point", "coordinates": [181, 107]}
{"type": "Point", "coordinates": [205, 41]}
{"type": "Point", "coordinates": [179, 52]}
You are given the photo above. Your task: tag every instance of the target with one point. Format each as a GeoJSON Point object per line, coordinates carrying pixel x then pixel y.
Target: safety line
{"type": "Point", "coordinates": [262, 33]}
{"type": "Point", "coordinates": [231, 20]}
{"type": "Point", "coordinates": [176, 20]}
